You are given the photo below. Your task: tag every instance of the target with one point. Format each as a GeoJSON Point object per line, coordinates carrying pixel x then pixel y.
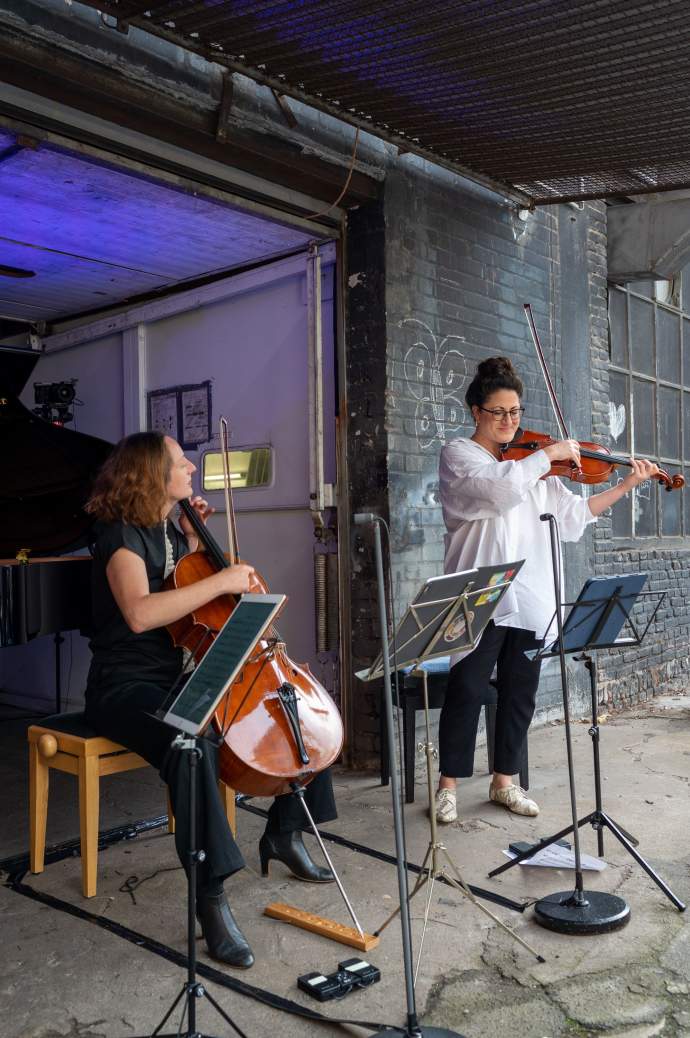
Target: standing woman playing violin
{"type": "Point", "coordinates": [491, 510]}
{"type": "Point", "coordinates": [135, 664]}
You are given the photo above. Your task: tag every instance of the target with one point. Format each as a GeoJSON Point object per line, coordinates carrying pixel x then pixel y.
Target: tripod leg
{"type": "Point", "coordinates": [458, 882]}
{"type": "Point", "coordinates": [538, 847]}
{"type": "Point", "coordinates": [419, 883]}
{"type": "Point", "coordinates": [427, 910]}
{"type": "Point", "coordinates": [219, 1009]}
{"type": "Point", "coordinates": [170, 1012]}
{"type": "Point", "coordinates": [640, 861]}
{"type": "Point", "coordinates": [629, 837]}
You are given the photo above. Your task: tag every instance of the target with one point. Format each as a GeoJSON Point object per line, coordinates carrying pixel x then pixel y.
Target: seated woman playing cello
{"type": "Point", "coordinates": [135, 665]}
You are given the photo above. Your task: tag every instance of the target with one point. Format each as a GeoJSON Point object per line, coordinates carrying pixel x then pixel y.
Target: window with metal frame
{"type": "Point", "coordinates": [649, 402]}
{"type": "Point", "coordinates": [250, 467]}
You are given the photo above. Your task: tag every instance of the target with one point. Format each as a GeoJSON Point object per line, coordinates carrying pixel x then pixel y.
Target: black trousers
{"type": "Point", "coordinates": [517, 682]}
{"type": "Point", "coordinates": [124, 714]}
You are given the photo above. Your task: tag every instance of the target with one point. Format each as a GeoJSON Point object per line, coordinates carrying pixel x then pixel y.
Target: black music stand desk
{"type": "Point", "coordinates": [602, 611]}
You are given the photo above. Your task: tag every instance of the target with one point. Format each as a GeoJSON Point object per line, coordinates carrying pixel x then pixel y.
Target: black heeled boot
{"type": "Point", "coordinates": [224, 939]}
{"type": "Point", "coordinates": [289, 848]}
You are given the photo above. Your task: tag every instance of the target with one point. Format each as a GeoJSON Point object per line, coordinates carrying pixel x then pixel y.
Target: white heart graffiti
{"type": "Point", "coordinates": [616, 419]}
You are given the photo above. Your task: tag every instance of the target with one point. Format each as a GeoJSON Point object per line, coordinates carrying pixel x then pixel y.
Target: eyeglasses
{"type": "Point", "coordinates": [499, 413]}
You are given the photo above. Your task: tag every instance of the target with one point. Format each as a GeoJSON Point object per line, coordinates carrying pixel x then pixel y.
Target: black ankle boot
{"type": "Point", "coordinates": [224, 939]}
{"type": "Point", "coordinates": [289, 848]}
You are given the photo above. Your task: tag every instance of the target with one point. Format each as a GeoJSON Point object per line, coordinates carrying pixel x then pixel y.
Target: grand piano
{"type": "Point", "coordinates": [47, 474]}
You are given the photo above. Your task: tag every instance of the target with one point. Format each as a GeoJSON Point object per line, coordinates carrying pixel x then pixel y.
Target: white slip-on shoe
{"type": "Point", "coordinates": [445, 805]}
{"type": "Point", "coordinates": [515, 799]}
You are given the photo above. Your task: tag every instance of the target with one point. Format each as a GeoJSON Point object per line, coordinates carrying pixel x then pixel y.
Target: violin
{"type": "Point", "coordinates": [596, 461]}
{"type": "Point", "coordinates": [278, 724]}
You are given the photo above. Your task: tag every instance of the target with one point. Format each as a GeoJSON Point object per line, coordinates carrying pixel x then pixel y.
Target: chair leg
{"type": "Point", "coordinates": [89, 792]}
{"type": "Point", "coordinates": [490, 723]}
{"type": "Point", "coordinates": [524, 766]}
{"type": "Point", "coordinates": [409, 742]}
{"type": "Point", "coordinates": [383, 739]}
{"type": "Point", "coordinates": [227, 795]}
{"type": "Point", "coordinates": [38, 808]}
{"type": "Point", "coordinates": [171, 817]}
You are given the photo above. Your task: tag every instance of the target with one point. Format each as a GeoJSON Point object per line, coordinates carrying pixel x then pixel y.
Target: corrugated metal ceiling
{"type": "Point", "coordinates": [94, 236]}
{"type": "Point", "coordinates": [559, 99]}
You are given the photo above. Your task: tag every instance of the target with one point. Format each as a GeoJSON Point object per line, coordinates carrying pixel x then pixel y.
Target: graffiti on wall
{"type": "Point", "coordinates": [616, 420]}
{"type": "Point", "coordinates": [435, 372]}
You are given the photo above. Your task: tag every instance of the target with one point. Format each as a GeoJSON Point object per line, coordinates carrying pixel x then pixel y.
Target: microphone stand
{"type": "Point", "coordinates": [577, 911]}
{"type": "Point", "coordinates": [413, 1028]}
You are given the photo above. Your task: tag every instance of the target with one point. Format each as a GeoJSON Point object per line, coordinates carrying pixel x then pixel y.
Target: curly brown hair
{"type": "Point", "coordinates": [130, 486]}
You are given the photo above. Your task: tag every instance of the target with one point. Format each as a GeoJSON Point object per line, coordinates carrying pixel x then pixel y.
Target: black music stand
{"type": "Point", "coordinates": [447, 615]}
{"type": "Point", "coordinates": [191, 711]}
{"type": "Point", "coordinates": [595, 622]}
{"type": "Point", "coordinates": [459, 608]}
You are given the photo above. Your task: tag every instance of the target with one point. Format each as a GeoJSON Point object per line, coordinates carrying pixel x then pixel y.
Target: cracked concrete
{"type": "Point", "coordinates": [62, 977]}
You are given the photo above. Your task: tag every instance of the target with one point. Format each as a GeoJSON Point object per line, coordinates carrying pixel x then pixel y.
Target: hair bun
{"type": "Point", "coordinates": [496, 367]}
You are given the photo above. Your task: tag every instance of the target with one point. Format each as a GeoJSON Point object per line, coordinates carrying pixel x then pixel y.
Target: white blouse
{"type": "Point", "coordinates": [491, 510]}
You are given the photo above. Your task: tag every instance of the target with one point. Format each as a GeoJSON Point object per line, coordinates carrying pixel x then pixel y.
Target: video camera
{"type": "Point", "coordinates": [54, 400]}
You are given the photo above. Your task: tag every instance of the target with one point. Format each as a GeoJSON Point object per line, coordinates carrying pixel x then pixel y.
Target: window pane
{"type": "Point", "coordinates": [642, 336]}
{"type": "Point", "coordinates": [668, 292]}
{"type": "Point", "coordinates": [621, 513]}
{"type": "Point", "coordinates": [669, 422]}
{"type": "Point", "coordinates": [644, 419]}
{"type": "Point", "coordinates": [686, 424]}
{"type": "Point", "coordinates": [643, 288]}
{"type": "Point", "coordinates": [685, 289]}
{"type": "Point", "coordinates": [619, 408]}
{"type": "Point", "coordinates": [686, 349]}
{"type": "Point", "coordinates": [618, 327]}
{"type": "Point", "coordinates": [668, 345]}
{"type": "Point", "coordinates": [645, 509]}
{"type": "Point", "coordinates": [670, 512]}
{"type": "Point", "coordinates": [249, 467]}
{"type": "Point", "coordinates": [686, 502]}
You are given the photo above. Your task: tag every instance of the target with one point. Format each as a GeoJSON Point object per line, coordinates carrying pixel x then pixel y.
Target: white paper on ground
{"type": "Point", "coordinates": [555, 857]}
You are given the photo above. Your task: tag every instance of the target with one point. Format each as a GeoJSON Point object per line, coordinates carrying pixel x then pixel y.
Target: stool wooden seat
{"type": "Point", "coordinates": [65, 742]}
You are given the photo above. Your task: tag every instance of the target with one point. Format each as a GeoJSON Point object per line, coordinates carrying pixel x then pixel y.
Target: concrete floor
{"type": "Point", "coordinates": [64, 976]}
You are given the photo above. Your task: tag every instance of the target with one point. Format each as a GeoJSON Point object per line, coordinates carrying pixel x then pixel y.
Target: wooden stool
{"type": "Point", "coordinates": [65, 742]}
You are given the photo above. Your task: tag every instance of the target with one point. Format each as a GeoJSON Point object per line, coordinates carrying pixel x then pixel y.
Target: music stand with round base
{"type": "Point", "coordinates": [598, 913]}
{"type": "Point", "coordinates": [577, 911]}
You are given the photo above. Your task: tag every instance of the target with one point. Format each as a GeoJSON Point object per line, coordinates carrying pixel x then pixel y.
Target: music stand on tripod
{"type": "Point", "coordinates": [190, 713]}
{"type": "Point", "coordinates": [601, 612]}
{"type": "Point", "coordinates": [447, 615]}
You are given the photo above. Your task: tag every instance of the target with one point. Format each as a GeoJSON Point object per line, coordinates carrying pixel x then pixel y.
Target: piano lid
{"type": "Point", "coordinates": [48, 470]}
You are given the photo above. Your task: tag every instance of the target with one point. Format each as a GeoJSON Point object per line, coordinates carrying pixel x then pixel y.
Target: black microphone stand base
{"type": "Point", "coordinates": [582, 912]}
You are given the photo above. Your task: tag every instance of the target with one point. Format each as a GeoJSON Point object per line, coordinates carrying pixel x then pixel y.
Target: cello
{"type": "Point", "coordinates": [278, 724]}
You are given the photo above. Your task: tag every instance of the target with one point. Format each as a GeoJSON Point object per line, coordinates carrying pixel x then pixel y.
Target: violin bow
{"type": "Point", "coordinates": [560, 420]}
{"type": "Point", "coordinates": [233, 546]}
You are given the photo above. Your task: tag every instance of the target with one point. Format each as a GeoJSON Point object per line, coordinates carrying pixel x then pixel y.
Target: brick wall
{"type": "Point", "coordinates": [366, 451]}
{"type": "Point", "coordinates": [459, 264]}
